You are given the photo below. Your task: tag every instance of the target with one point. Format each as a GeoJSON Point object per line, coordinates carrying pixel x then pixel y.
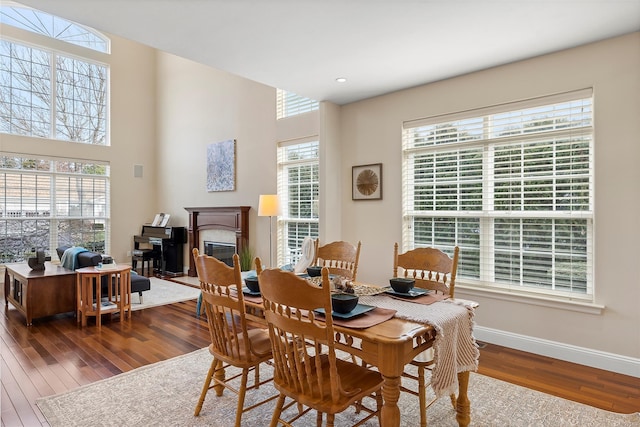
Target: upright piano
{"type": "Point", "coordinates": [167, 245]}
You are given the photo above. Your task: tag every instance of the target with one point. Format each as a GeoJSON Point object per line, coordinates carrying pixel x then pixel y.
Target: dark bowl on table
{"type": "Point", "coordinates": [402, 285]}
{"type": "Point", "coordinates": [344, 303]}
{"type": "Point", "coordinates": [314, 271]}
{"type": "Point", "coordinates": [252, 284]}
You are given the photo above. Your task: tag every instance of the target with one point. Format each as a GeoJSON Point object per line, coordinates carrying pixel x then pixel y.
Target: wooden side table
{"type": "Point", "coordinates": [91, 302]}
{"type": "Point", "coordinates": [39, 293]}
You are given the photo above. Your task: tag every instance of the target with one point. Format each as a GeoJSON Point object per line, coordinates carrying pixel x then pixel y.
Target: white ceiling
{"type": "Point", "coordinates": [380, 46]}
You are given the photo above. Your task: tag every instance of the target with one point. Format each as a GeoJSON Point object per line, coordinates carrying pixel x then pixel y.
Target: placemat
{"type": "Point", "coordinates": [256, 299]}
{"type": "Point", "coordinates": [366, 320]}
{"type": "Point", "coordinates": [424, 299]}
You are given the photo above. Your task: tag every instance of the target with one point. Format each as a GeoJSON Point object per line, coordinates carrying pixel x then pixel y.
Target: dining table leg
{"type": "Point", "coordinates": [390, 414]}
{"type": "Point", "coordinates": [463, 406]}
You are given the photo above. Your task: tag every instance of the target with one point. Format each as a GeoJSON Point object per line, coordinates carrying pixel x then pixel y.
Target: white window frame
{"type": "Point", "coordinates": [289, 245]}
{"type": "Point", "coordinates": [454, 211]}
{"type": "Point", "coordinates": [57, 49]}
{"type": "Point", "coordinates": [57, 191]}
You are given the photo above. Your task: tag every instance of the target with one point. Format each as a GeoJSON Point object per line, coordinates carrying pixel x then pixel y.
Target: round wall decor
{"type": "Point", "coordinates": [367, 182]}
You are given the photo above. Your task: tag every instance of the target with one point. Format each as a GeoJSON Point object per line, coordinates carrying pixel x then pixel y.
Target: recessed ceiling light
{"type": "Point", "coordinates": [341, 79]}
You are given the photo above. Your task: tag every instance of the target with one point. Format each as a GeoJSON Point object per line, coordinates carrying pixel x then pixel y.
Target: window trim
{"type": "Point", "coordinates": [281, 257]}
{"type": "Point", "coordinates": [54, 47]}
{"type": "Point", "coordinates": [523, 297]}
{"type": "Point", "coordinates": [98, 34]}
{"type": "Point", "coordinates": [53, 199]}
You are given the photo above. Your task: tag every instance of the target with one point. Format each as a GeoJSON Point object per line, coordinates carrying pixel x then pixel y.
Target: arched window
{"type": "Point", "coordinates": [55, 86]}
{"type": "Point", "coordinates": [52, 26]}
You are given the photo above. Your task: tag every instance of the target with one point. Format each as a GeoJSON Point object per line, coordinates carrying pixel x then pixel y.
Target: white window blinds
{"type": "Point", "coordinates": [512, 186]}
{"type": "Point", "coordinates": [289, 104]}
{"type": "Point", "coordinates": [47, 203]}
{"type": "Point", "coordinates": [298, 188]}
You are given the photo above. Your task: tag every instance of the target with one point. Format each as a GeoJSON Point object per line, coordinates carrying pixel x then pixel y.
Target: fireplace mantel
{"type": "Point", "coordinates": [232, 218]}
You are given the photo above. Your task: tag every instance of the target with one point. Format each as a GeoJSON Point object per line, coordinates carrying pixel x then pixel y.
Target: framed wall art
{"type": "Point", "coordinates": [366, 182]}
{"type": "Point", "coordinates": [221, 166]}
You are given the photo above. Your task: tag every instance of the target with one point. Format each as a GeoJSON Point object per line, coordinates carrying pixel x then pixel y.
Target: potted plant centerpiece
{"type": "Point", "coordinates": [246, 258]}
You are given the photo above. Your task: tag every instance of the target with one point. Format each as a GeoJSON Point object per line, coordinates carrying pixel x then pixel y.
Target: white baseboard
{"type": "Point", "coordinates": [570, 353]}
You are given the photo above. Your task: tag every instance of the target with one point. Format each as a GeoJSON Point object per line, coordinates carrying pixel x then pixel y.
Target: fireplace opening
{"type": "Point", "coordinates": [219, 250]}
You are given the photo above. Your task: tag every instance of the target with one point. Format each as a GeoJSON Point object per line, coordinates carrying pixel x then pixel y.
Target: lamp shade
{"type": "Point", "coordinates": [269, 205]}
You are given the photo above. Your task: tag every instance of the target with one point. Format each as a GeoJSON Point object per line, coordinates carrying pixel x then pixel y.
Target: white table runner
{"type": "Point", "coordinates": [455, 348]}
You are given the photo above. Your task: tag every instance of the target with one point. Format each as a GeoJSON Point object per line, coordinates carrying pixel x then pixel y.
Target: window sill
{"type": "Point", "coordinates": [527, 298]}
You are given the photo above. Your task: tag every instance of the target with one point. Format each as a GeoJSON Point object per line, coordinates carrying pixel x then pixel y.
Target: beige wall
{"type": "Point", "coordinates": [197, 106]}
{"type": "Point", "coordinates": [331, 174]}
{"type": "Point", "coordinates": [371, 134]}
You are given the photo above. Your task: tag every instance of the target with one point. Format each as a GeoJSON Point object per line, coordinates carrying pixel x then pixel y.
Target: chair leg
{"type": "Point", "coordinates": [277, 411]}
{"type": "Point", "coordinates": [205, 388]}
{"type": "Point", "coordinates": [257, 376]}
{"type": "Point", "coordinates": [422, 397]}
{"type": "Point", "coordinates": [140, 296]}
{"type": "Point", "coordinates": [241, 394]}
{"type": "Point", "coordinates": [318, 419]}
{"type": "Point", "coordinates": [379, 404]}
{"type": "Point", "coordinates": [330, 420]}
{"type": "Point", "coordinates": [454, 400]}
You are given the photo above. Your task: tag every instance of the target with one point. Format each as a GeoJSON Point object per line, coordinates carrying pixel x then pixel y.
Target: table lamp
{"type": "Point", "coordinates": [269, 205]}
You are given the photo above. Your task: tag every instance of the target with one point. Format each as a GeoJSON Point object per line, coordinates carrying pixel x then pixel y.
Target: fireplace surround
{"type": "Point", "coordinates": [231, 218]}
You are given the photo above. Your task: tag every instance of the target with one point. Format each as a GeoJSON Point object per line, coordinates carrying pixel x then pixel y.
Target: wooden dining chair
{"type": "Point", "coordinates": [232, 342]}
{"type": "Point", "coordinates": [432, 269]}
{"type": "Point", "coordinates": [341, 258]}
{"type": "Point", "coordinates": [306, 367]}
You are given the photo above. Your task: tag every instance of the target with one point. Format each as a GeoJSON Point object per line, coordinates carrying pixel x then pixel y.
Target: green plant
{"type": "Point", "coordinates": [246, 258]}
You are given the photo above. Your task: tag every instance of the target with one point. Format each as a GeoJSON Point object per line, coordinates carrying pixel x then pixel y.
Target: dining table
{"type": "Point", "coordinates": [391, 334]}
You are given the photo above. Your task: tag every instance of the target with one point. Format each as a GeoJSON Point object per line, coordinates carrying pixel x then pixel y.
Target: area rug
{"type": "Point", "coordinates": [163, 292]}
{"type": "Point", "coordinates": [165, 394]}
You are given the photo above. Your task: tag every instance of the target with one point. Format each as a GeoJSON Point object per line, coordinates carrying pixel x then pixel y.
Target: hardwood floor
{"type": "Point", "coordinates": [602, 389]}
{"type": "Point", "coordinates": [55, 355]}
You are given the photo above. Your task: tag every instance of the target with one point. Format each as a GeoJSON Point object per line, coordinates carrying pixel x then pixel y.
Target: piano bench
{"type": "Point", "coordinates": [148, 256]}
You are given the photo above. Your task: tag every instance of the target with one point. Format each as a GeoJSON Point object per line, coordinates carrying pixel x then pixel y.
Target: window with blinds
{"type": "Point", "coordinates": [512, 186]}
{"type": "Point", "coordinates": [47, 203]}
{"type": "Point", "coordinates": [298, 183]}
{"type": "Point", "coordinates": [289, 104]}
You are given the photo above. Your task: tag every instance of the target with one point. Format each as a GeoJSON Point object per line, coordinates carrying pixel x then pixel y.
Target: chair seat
{"type": "Point", "coordinates": [260, 349]}
{"type": "Point", "coordinates": [354, 380]}
{"type": "Point", "coordinates": [259, 342]}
